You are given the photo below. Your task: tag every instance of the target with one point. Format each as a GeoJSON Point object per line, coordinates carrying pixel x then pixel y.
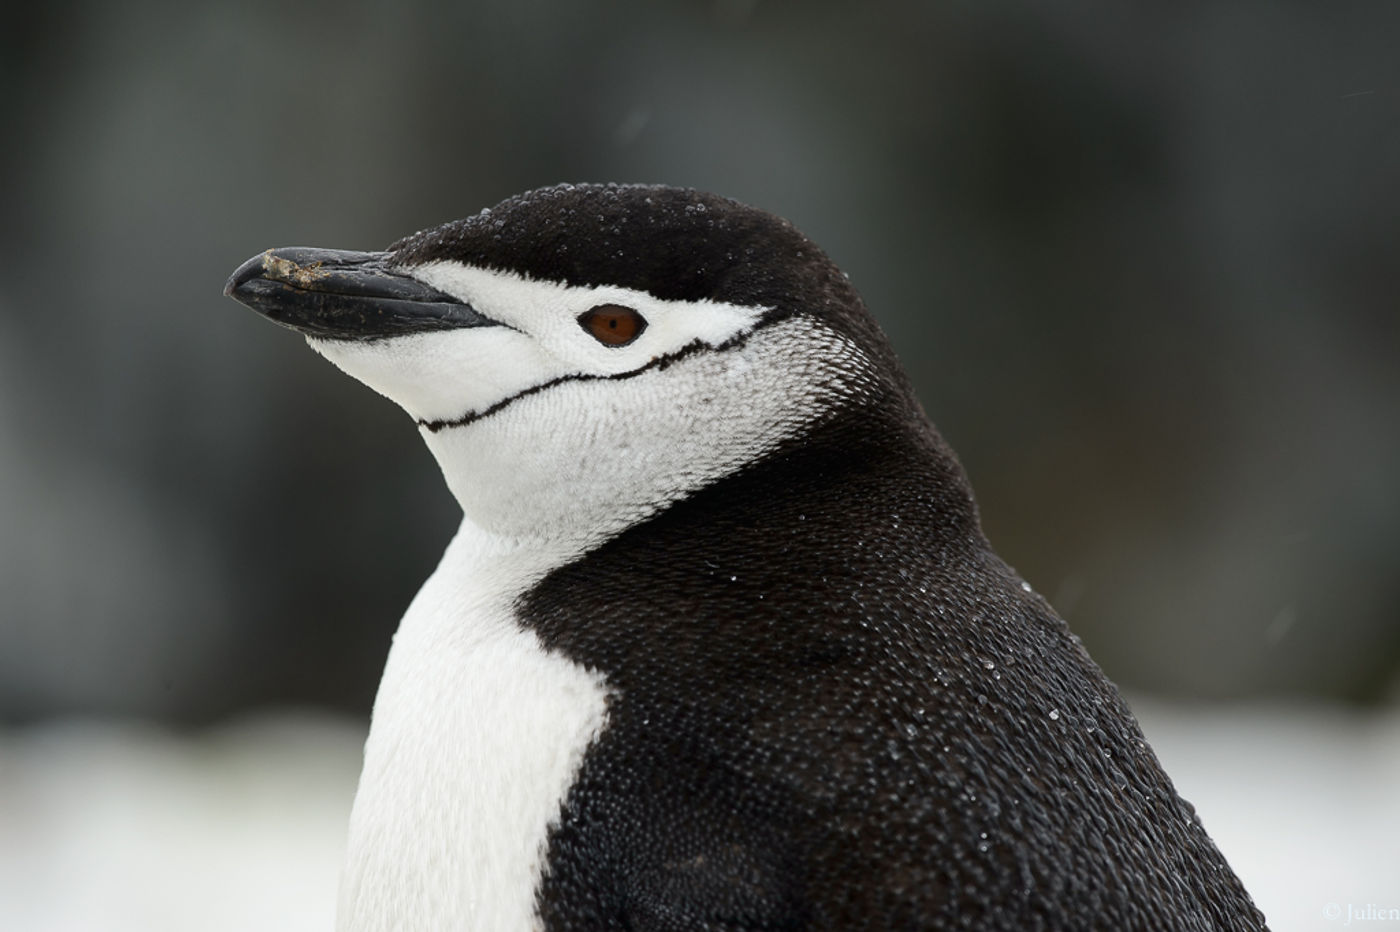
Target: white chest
{"type": "Point", "coordinates": [476, 736]}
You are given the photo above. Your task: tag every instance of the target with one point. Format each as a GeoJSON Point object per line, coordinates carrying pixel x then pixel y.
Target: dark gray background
{"type": "Point", "coordinates": [1141, 261]}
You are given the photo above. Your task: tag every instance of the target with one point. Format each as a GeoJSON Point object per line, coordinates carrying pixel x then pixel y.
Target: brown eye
{"type": "Point", "coordinates": [613, 324]}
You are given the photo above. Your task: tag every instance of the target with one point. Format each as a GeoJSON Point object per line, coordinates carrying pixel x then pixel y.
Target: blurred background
{"type": "Point", "coordinates": [1142, 262]}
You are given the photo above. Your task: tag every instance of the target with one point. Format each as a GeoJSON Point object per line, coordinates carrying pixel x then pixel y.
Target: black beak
{"type": "Point", "coordinates": [335, 294]}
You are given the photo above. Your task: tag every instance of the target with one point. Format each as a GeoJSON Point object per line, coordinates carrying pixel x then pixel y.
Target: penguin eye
{"type": "Point", "coordinates": [613, 324]}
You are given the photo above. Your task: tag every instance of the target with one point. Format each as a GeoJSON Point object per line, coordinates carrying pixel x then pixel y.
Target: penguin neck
{"type": "Point", "coordinates": [526, 499]}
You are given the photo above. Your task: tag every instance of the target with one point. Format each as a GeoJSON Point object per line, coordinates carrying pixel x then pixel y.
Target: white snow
{"type": "Point", "coordinates": [1303, 800]}
{"type": "Point", "coordinates": [110, 827]}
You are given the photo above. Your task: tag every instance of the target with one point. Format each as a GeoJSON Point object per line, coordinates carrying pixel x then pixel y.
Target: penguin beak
{"type": "Point", "coordinates": [335, 294]}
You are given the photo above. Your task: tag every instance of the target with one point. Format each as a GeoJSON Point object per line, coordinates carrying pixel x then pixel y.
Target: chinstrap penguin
{"type": "Point", "coordinates": [720, 643]}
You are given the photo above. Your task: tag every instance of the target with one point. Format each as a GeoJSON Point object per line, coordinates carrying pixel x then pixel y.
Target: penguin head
{"type": "Point", "coordinates": [578, 357]}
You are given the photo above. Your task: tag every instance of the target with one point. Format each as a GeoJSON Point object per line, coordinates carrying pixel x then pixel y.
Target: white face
{"type": "Point", "coordinates": [545, 432]}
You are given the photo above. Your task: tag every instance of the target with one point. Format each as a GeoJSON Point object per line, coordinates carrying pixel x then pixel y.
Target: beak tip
{"type": "Point", "coordinates": [245, 273]}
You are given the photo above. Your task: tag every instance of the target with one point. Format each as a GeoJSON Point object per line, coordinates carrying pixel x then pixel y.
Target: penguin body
{"type": "Point", "coordinates": [720, 643]}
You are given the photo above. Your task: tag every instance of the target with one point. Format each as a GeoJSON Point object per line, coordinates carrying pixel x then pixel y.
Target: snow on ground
{"type": "Point", "coordinates": [1303, 800]}
{"type": "Point", "coordinates": [113, 827]}
{"type": "Point", "coordinates": [116, 827]}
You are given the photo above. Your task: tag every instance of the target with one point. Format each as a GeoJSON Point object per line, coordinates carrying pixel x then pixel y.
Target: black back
{"type": "Point", "coordinates": [834, 711]}
{"type": "Point", "coordinates": [834, 706]}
